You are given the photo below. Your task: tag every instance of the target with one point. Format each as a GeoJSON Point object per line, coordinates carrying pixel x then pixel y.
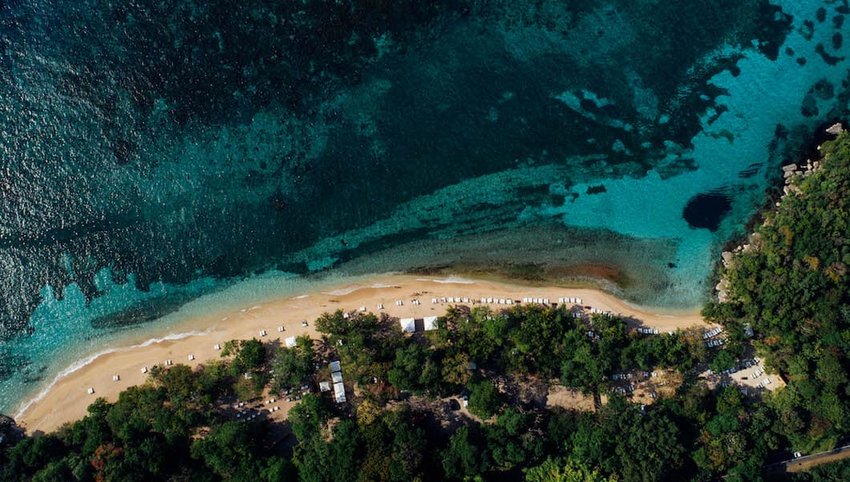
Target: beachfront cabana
{"type": "Point", "coordinates": [289, 342]}
{"type": "Point", "coordinates": [335, 366]}
{"type": "Point", "coordinates": [339, 392]}
{"type": "Point", "coordinates": [408, 325]}
{"type": "Point", "coordinates": [430, 323]}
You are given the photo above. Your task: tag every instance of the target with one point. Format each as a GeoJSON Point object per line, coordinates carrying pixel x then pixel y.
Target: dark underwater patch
{"type": "Point", "coordinates": [706, 211]}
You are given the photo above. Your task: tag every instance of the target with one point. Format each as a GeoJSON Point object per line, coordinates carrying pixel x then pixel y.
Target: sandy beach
{"type": "Point", "coordinates": [192, 341]}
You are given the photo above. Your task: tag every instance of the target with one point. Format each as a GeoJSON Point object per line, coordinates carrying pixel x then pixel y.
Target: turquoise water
{"type": "Point", "coordinates": [158, 152]}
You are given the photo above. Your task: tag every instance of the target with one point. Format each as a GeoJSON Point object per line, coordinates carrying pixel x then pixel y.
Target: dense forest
{"type": "Point", "coordinates": [468, 400]}
{"type": "Point", "coordinates": [791, 285]}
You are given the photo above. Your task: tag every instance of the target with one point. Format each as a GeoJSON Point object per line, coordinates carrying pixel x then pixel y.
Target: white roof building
{"type": "Point", "coordinates": [335, 366]}
{"type": "Point", "coordinates": [337, 377]}
{"type": "Point", "coordinates": [339, 392]}
{"type": "Point", "coordinates": [430, 323]}
{"type": "Point", "coordinates": [325, 386]}
{"type": "Point", "coordinates": [408, 325]}
{"type": "Point", "coordinates": [290, 342]}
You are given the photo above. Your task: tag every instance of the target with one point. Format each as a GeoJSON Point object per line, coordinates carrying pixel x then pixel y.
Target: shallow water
{"type": "Point", "coordinates": [157, 152]}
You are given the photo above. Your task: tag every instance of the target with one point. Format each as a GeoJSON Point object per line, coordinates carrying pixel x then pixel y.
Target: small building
{"type": "Point", "coordinates": [339, 392]}
{"type": "Point", "coordinates": [337, 377]}
{"type": "Point", "coordinates": [335, 366]}
{"type": "Point", "coordinates": [325, 386]}
{"type": "Point", "coordinates": [408, 325]}
{"type": "Point", "coordinates": [290, 342]}
{"type": "Point", "coordinates": [430, 323]}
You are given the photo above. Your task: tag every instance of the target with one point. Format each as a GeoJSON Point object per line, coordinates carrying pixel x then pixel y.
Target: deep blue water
{"type": "Point", "coordinates": [152, 152]}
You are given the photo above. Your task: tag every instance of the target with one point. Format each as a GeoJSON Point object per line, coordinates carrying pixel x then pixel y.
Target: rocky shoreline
{"type": "Point", "coordinates": [791, 173]}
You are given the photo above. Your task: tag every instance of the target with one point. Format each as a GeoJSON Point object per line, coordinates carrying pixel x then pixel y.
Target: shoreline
{"type": "Point", "coordinates": [190, 341]}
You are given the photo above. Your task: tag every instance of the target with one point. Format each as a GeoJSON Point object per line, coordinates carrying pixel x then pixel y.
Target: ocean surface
{"type": "Point", "coordinates": [159, 153]}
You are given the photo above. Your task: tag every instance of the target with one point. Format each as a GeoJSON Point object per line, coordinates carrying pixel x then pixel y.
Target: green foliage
{"type": "Point", "coordinates": [230, 451]}
{"type": "Point", "coordinates": [366, 344]}
{"type": "Point", "coordinates": [555, 470]}
{"type": "Point", "coordinates": [484, 399]}
{"type": "Point", "coordinates": [245, 356]}
{"type": "Point", "coordinates": [415, 369]}
{"type": "Point", "coordinates": [292, 366]}
{"type": "Point", "coordinates": [793, 290]}
{"type": "Point", "coordinates": [463, 457]}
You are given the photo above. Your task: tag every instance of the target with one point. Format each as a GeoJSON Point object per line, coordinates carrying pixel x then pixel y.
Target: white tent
{"type": "Point", "coordinates": [430, 323]}
{"type": "Point", "coordinates": [407, 325]}
{"type": "Point", "coordinates": [290, 342]}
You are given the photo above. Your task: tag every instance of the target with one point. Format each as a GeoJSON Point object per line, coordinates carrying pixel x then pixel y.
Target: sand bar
{"type": "Point", "coordinates": [67, 397]}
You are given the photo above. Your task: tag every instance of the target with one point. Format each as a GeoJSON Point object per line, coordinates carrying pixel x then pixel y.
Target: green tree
{"type": "Point", "coordinates": [556, 470]}
{"type": "Point", "coordinates": [293, 365]}
{"type": "Point", "coordinates": [463, 458]}
{"type": "Point", "coordinates": [484, 400]}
